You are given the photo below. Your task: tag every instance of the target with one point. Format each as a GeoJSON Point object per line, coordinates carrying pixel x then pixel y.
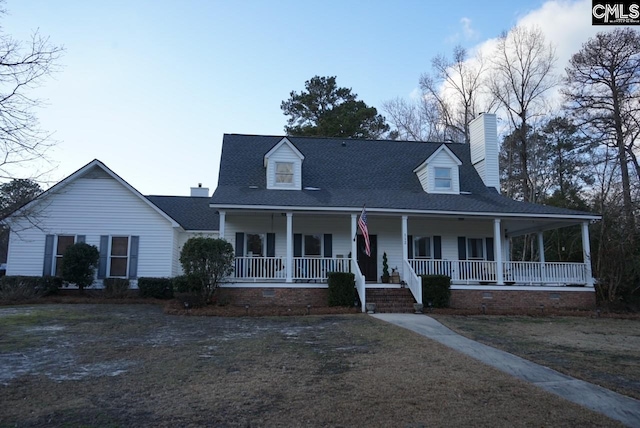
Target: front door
{"type": "Point", "coordinates": [368, 265]}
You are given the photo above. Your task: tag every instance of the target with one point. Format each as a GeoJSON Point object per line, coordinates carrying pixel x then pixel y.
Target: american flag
{"type": "Point", "coordinates": [362, 225]}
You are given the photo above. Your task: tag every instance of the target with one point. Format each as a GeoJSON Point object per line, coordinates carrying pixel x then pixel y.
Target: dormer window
{"type": "Point", "coordinates": [283, 166]}
{"type": "Point", "coordinates": [440, 172]}
{"type": "Point", "coordinates": [284, 173]}
{"type": "Point", "coordinates": [442, 178]}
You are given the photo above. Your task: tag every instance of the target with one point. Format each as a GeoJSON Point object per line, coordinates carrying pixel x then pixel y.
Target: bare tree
{"type": "Point", "coordinates": [23, 67]}
{"type": "Point", "coordinates": [416, 120]}
{"type": "Point", "coordinates": [521, 79]}
{"type": "Point", "coordinates": [602, 90]}
{"type": "Point", "coordinates": [455, 88]}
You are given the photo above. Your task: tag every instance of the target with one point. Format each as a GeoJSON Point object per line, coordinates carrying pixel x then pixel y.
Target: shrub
{"type": "Point", "coordinates": [186, 284]}
{"type": "Point", "coordinates": [207, 261]}
{"type": "Point", "coordinates": [79, 264]}
{"type": "Point", "coordinates": [116, 288]}
{"type": "Point", "coordinates": [437, 290]}
{"type": "Point", "coordinates": [342, 291]}
{"type": "Point", "coordinates": [28, 287]}
{"type": "Point", "coordinates": [158, 288]}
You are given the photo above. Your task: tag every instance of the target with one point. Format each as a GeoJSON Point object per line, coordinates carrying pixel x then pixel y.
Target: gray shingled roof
{"type": "Point", "coordinates": [352, 173]}
{"type": "Point", "coordinates": [192, 213]}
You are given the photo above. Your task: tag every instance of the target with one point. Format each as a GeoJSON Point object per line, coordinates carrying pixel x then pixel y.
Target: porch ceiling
{"type": "Point", "coordinates": [518, 227]}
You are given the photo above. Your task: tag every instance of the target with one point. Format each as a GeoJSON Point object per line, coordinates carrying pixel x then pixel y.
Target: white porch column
{"type": "Point", "coordinates": [586, 253]}
{"type": "Point", "coordinates": [223, 216]}
{"type": "Point", "coordinates": [405, 250]}
{"type": "Point", "coordinates": [541, 246]}
{"type": "Point", "coordinates": [289, 264]}
{"type": "Point", "coordinates": [541, 256]}
{"type": "Point", "coordinates": [354, 241]}
{"type": "Point", "coordinates": [497, 250]}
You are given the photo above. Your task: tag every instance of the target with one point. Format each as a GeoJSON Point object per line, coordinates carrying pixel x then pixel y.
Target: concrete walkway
{"type": "Point", "coordinates": [609, 403]}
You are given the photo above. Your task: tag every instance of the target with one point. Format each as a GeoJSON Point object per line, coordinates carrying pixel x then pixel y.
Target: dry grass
{"type": "Point", "coordinates": [604, 351]}
{"type": "Point", "coordinates": [133, 365]}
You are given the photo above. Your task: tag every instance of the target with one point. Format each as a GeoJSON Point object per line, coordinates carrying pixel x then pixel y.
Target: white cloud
{"type": "Point", "coordinates": [466, 33]}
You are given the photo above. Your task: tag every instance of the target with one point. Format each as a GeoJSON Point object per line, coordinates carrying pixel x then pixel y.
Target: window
{"type": "Point", "coordinates": [475, 249]}
{"type": "Point", "coordinates": [284, 173]}
{"type": "Point", "coordinates": [119, 256]}
{"type": "Point", "coordinates": [312, 245]}
{"type": "Point", "coordinates": [422, 247]}
{"type": "Point", "coordinates": [63, 242]}
{"type": "Point", "coordinates": [255, 244]}
{"type": "Point", "coordinates": [442, 178]}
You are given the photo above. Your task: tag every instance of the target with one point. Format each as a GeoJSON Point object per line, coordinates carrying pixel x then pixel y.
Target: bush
{"type": "Point", "coordinates": [79, 264]}
{"type": "Point", "coordinates": [157, 288]}
{"type": "Point", "coordinates": [208, 261]}
{"type": "Point", "coordinates": [14, 288]}
{"type": "Point", "coordinates": [116, 288]}
{"type": "Point", "coordinates": [186, 284]}
{"type": "Point", "coordinates": [342, 291]}
{"type": "Point", "coordinates": [437, 290]}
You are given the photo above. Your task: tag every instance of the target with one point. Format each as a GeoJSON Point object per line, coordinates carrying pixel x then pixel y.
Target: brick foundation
{"type": "Point", "coordinates": [264, 296]}
{"type": "Point", "coordinates": [522, 299]}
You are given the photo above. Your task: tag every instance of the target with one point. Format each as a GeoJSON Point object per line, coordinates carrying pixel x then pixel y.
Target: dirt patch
{"type": "Point", "coordinates": [605, 351]}
{"type": "Point", "coordinates": [133, 365]}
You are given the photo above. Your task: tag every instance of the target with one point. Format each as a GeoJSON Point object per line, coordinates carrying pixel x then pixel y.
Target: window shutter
{"type": "Point", "coordinates": [410, 246]}
{"type": "Point", "coordinates": [489, 245]}
{"type": "Point", "coordinates": [81, 238]}
{"type": "Point", "coordinates": [271, 244]}
{"type": "Point", "coordinates": [239, 244]}
{"type": "Point", "coordinates": [328, 245]}
{"type": "Point", "coordinates": [437, 247]}
{"type": "Point", "coordinates": [462, 248]}
{"type": "Point", "coordinates": [48, 256]}
{"type": "Point", "coordinates": [133, 257]}
{"type": "Point", "coordinates": [102, 262]}
{"type": "Point", "coordinates": [297, 245]}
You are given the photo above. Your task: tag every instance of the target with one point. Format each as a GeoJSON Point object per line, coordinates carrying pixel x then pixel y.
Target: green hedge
{"type": "Point", "coordinates": [342, 291]}
{"type": "Point", "coordinates": [116, 288]}
{"type": "Point", "coordinates": [158, 288]}
{"type": "Point", "coordinates": [29, 286]}
{"type": "Point", "coordinates": [437, 290]}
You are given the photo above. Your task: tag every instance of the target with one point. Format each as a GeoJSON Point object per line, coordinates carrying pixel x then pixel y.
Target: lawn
{"type": "Point", "coordinates": [604, 351]}
{"type": "Point", "coordinates": [133, 365]}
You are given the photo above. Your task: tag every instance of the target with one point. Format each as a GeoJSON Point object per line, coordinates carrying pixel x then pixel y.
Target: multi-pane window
{"type": "Point", "coordinates": [64, 241]}
{"type": "Point", "coordinates": [442, 178]}
{"type": "Point", "coordinates": [475, 249]}
{"type": "Point", "coordinates": [284, 172]}
{"type": "Point", "coordinates": [255, 244]}
{"type": "Point", "coordinates": [312, 245]}
{"type": "Point", "coordinates": [422, 247]}
{"type": "Point", "coordinates": [119, 256]}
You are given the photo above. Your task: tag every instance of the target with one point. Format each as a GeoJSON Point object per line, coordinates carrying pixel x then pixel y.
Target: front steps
{"type": "Point", "coordinates": [391, 300]}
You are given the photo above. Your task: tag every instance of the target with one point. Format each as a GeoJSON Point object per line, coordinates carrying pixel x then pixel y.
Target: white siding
{"type": "Point", "coordinates": [484, 146]}
{"type": "Point", "coordinates": [94, 207]}
{"type": "Point", "coordinates": [284, 153]}
{"type": "Point", "coordinates": [450, 230]}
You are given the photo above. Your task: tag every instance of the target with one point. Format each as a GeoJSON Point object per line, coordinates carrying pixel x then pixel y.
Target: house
{"type": "Point", "coordinates": [289, 206]}
{"type": "Point", "coordinates": [138, 236]}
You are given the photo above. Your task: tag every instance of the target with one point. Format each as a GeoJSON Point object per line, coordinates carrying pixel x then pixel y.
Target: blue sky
{"type": "Point", "coordinates": [150, 87]}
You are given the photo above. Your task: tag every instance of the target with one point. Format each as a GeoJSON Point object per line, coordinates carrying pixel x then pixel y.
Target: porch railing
{"type": "Point", "coordinates": [548, 272]}
{"type": "Point", "coordinates": [307, 269]}
{"type": "Point", "coordinates": [413, 282]}
{"type": "Point", "coordinates": [260, 268]}
{"type": "Point", "coordinates": [514, 272]}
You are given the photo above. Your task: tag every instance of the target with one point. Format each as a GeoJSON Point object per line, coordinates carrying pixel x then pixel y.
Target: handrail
{"type": "Point", "coordinates": [413, 282]}
{"type": "Point", "coordinates": [360, 284]}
